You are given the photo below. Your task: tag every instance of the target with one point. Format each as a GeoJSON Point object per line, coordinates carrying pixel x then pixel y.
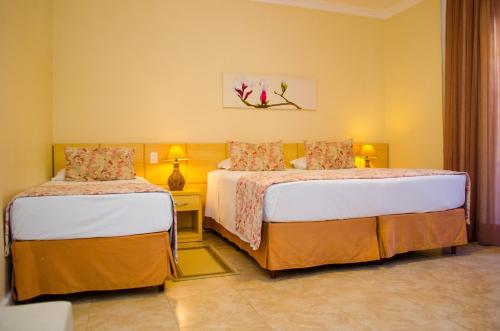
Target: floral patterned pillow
{"type": "Point", "coordinates": [99, 164]}
{"type": "Point", "coordinates": [256, 157]}
{"type": "Point", "coordinates": [329, 155]}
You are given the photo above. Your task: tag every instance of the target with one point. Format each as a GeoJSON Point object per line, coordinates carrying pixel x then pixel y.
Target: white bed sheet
{"type": "Point", "coordinates": [319, 200]}
{"type": "Point", "coordinates": [90, 216]}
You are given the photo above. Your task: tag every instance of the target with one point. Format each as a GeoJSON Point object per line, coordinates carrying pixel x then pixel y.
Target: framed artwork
{"type": "Point", "coordinates": [267, 92]}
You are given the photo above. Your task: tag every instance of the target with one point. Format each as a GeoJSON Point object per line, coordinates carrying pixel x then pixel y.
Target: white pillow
{"type": "Point", "coordinates": [226, 164]}
{"type": "Point", "coordinates": [299, 163]}
{"type": "Point", "coordinates": [60, 176]}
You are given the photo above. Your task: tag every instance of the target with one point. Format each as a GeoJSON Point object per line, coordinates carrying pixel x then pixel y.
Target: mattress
{"type": "Point", "coordinates": [319, 200]}
{"type": "Point", "coordinates": [90, 216]}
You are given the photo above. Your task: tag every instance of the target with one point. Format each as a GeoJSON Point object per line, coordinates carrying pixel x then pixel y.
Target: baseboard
{"type": "Point", "coordinates": [7, 300]}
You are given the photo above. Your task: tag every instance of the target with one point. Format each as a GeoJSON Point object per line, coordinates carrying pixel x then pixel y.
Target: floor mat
{"type": "Point", "coordinates": [200, 260]}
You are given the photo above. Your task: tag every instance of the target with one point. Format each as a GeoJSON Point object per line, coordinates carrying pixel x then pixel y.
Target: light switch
{"type": "Point", "coordinates": [153, 157]}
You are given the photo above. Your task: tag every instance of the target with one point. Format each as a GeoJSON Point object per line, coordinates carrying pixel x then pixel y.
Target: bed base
{"type": "Point", "coordinates": [96, 264]}
{"type": "Point", "coordinates": [308, 244]}
{"type": "Point", "coordinates": [415, 232]}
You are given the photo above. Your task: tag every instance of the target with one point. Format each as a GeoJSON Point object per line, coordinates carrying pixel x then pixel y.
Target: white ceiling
{"type": "Point", "coordinates": [369, 4]}
{"type": "Point", "coordinates": [381, 9]}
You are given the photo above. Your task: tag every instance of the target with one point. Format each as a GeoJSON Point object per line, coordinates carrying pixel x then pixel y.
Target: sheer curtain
{"type": "Point", "coordinates": [472, 108]}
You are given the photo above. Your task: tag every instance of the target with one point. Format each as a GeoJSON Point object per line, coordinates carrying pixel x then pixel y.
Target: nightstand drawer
{"type": "Point", "coordinates": [187, 202]}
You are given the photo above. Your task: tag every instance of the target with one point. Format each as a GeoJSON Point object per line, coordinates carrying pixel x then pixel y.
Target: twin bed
{"type": "Point", "coordinates": [76, 236]}
{"type": "Point", "coordinates": [112, 239]}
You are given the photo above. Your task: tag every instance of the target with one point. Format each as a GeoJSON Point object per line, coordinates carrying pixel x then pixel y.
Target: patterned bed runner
{"type": "Point", "coordinates": [63, 188]}
{"type": "Point", "coordinates": [251, 189]}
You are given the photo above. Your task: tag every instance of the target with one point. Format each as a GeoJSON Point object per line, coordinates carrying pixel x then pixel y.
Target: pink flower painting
{"type": "Point", "coordinates": [243, 91]}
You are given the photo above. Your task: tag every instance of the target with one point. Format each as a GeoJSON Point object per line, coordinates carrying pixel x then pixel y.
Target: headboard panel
{"type": "Point", "coordinates": [382, 149]}
{"type": "Point", "coordinates": [202, 159]}
{"type": "Point", "coordinates": [291, 152]}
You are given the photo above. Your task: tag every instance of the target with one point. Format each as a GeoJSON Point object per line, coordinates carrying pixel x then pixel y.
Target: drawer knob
{"type": "Point", "coordinates": [181, 204]}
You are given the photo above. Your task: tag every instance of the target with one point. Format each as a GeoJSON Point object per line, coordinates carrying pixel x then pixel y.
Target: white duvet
{"type": "Point", "coordinates": [319, 200]}
{"type": "Point", "coordinates": [90, 216]}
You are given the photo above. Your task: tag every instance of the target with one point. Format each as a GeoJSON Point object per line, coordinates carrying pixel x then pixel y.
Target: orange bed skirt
{"type": "Point", "coordinates": [94, 264]}
{"type": "Point", "coordinates": [306, 244]}
{"type": "Point", "coordinates": [415, 232]}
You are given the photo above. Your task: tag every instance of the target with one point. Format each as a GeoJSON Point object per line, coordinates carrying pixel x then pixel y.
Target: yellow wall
{"type": "Point", "coordinates": [25, 100]}
{"type": "Point", "coordinates": [151, 71]}
{"type": "Point", "coordinates": [413, 91]}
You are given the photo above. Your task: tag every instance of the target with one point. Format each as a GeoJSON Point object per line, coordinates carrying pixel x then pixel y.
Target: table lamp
{"type": "Point", "coordinates": [176, 179]}
{"type": "Point", "coordinates": [367, 152]}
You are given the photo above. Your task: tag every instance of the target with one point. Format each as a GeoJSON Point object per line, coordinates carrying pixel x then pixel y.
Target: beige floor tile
{"type": "Point", "coordinates": [293, 304]}
{"type": "Point", "coordinates": [392, 313]}
{"type": "Point", "coordinates": [81, 312]}
{"type": "Point", "coordinates": [146, 313]}
{"type": "Point", "coordinates": [223, 308]}
{"type": "Point", "coordinates": [137, 293]}
{"type": "Point", "coordinates": [441, 325]}
{"type": "Point", "coordinates": [487, 319]}
{"type": "Point", "coordinates": [224, 326]}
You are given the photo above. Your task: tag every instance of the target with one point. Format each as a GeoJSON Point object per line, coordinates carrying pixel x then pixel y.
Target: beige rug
{"type": "Point", "coordinates": [200, 260]}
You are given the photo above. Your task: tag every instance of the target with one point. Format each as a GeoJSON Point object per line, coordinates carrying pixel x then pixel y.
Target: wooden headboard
{"type": "Point", "coordinates": [203, 157]}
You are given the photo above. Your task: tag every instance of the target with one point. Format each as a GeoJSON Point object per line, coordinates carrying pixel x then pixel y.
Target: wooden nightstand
{"type": "Point", "coordinates": [189, 215]}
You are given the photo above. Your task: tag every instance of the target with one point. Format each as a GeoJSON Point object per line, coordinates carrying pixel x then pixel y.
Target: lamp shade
{"type": "Point", "coordinates": [176, 153]}
{"type": "Point", "coordinates": [367, 150]}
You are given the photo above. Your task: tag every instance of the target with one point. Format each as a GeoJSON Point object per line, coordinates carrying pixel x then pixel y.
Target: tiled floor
{"type": "Point", "coordinates": [425, 291]}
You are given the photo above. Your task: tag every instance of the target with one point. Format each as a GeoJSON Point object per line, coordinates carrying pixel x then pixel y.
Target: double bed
{"type": "Point", "coordinates": [69, 236]}
{"type": "Point", "coordinates": [316, 222]}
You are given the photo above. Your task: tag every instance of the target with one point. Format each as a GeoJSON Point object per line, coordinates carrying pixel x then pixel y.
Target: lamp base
{"type": "Point", "coordinates": [367, 162]}
{"type": "Point", "coordinates": [176, 180]}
